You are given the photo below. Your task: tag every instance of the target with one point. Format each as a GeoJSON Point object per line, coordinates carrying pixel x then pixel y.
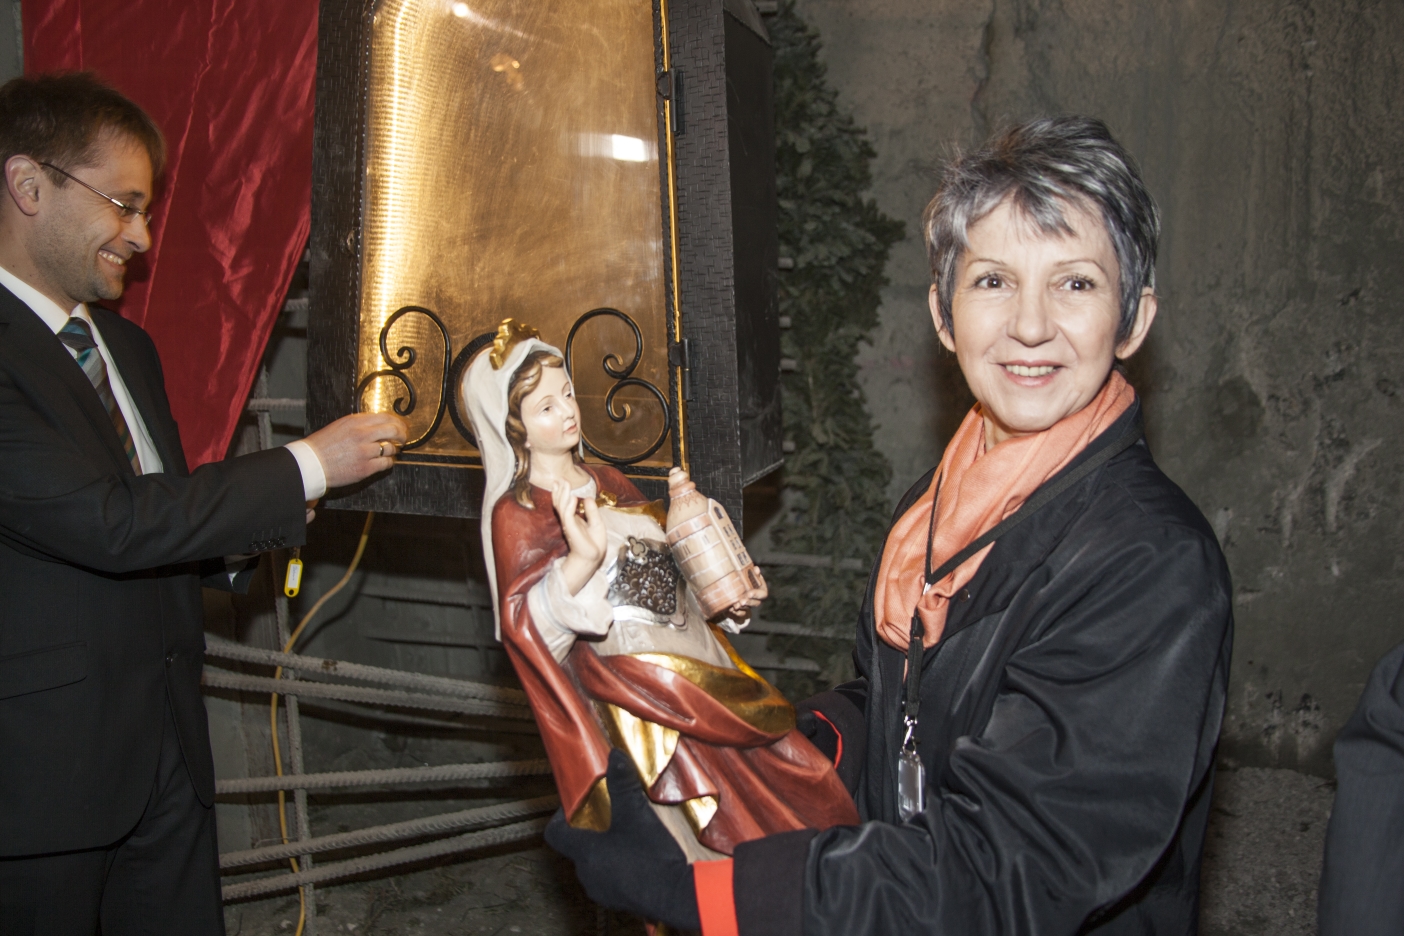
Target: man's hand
{"type": "Point", "coordinates": [635, 865]}
{"type": "Point", "coordinates": [358, 446]}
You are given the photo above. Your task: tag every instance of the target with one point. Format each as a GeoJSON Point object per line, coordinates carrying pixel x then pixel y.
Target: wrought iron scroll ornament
{"type": "Point", "coordinates": [623, 377]}
{"type": "Point", "coordinates": [405, 357]}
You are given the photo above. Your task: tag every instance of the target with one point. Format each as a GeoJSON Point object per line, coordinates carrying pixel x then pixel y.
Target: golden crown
{"type": "Point", "coordinates": [509, 333]}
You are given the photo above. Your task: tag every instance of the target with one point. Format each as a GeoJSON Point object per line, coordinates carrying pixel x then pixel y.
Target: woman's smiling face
{"type": "Point", "coordinates": [1035, 319]}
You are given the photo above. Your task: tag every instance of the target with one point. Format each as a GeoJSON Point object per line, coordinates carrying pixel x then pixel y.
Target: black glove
{"type": "Point", "coordinates": [635, 865]}
{"type": "Point", "coordinates": [834, 724]}
{"type": "Point", "coordinates": [820, 733]}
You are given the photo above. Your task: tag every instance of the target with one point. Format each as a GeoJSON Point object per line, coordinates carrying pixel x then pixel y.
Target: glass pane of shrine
{"type": "Point", "coordinates": [512, 169]}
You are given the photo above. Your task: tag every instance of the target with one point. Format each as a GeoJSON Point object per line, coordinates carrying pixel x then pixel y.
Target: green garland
{"type": "Point", "coordinates": [834, 490]}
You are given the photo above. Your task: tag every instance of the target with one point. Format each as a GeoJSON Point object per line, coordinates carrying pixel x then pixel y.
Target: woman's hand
{"type": "Point", "coordinates": [585, 536]}
{"type": "Point", "coordinates": [741, 610]}
{"type": "Point", "coordinates": [635, 865]}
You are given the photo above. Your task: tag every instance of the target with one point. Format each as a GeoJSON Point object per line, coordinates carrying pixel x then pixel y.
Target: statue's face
{"type": "Point", "coordinates": [551, 415]}
{"type": "Point", "coordinates": [1035, 319]}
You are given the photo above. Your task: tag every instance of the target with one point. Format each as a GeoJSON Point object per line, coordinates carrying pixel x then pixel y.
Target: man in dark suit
{"type": "Point", "coordinates": [106, 779]}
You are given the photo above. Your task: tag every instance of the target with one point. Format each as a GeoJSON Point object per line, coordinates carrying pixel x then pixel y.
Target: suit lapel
{"type": "Point", "coordinates": [32, 350]}
{"type": "Point", "coordinates": [144, 386]}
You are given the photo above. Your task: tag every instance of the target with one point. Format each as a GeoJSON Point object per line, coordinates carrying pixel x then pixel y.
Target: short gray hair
{"type": "Point", "coordinates": [1042, 166]}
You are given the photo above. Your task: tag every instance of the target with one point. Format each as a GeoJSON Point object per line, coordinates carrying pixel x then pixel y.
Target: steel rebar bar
{"type": "Point", "coordinates": [490, 770]}
{"type": "Point", "coordinates": [813, 562]}
{"type": "Point", "coordinates": [340, 869]}
{"type": "Point", "coordinates": [242, 682]}
{"type": "Point", "coordinates": [443, 685]}
{"type": "Point", "coordinates": [500, 814]}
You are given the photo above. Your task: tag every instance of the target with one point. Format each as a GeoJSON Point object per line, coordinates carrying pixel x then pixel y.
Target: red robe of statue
{"type": "Point", "coordinates": [737, 763]}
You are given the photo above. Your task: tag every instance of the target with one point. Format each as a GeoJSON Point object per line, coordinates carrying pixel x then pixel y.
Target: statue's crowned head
{"type": "Point", "coordinates": [509, 368]}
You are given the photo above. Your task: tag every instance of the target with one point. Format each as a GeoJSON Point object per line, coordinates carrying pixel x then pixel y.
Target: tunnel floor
{"type": "Point", "coordinates": [1262, 862]}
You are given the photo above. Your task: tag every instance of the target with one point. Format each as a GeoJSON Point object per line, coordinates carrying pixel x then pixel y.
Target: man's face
{"type": "Point", "coordinates": [82, 245]}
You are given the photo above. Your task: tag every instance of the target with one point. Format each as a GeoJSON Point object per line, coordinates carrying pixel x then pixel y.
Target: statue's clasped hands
{"type": "Point", "coordinates": [585, 535]}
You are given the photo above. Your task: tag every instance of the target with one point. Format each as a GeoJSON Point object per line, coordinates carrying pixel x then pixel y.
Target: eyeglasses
{"type": "Point", "coordinates": [124, 211]}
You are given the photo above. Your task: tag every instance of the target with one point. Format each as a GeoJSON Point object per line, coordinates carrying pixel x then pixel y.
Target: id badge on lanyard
{"type": "Point", "coordinates": [911, 773]}
{"type": "Point", "coordinates": [911, 777]}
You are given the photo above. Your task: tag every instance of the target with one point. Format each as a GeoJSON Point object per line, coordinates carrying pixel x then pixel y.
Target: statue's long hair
{"type": "Point", "coordinates": [524, 381]}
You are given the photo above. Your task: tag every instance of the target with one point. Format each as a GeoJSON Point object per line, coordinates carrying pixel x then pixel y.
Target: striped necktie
{"type": "Point", "coordinates": [77, 334]}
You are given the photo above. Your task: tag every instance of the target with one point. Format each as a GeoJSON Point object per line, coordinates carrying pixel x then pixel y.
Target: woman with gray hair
{"type": "Point", "coordinates": [1043, 650]}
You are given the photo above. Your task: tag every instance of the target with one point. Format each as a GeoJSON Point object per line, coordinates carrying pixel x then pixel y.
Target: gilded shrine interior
{"type": "Point", "coordinates": [533, 131]}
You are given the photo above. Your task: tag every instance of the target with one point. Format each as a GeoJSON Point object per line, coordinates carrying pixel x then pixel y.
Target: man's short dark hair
{"type": "Point", "coordinates": [60, 118]}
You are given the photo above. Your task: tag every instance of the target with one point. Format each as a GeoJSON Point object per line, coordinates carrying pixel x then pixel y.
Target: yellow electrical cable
{"type": "Point", "coordinates": [273, 704]}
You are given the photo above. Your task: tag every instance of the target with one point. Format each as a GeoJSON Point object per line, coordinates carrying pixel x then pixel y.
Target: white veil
{"type": "Point", "coordinates": [484, 392]}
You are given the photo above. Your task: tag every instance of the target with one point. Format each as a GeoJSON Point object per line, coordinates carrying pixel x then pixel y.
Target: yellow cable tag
{"type": "Point", "coordinates": [293, 583]}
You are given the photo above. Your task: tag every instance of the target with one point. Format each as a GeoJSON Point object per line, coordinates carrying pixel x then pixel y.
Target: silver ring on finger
{"type": "Point", "coordinates": [381, 448]}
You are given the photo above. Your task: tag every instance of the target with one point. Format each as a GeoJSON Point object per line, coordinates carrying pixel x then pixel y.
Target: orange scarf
{"type": "Point", "coordinates": [978, 490]}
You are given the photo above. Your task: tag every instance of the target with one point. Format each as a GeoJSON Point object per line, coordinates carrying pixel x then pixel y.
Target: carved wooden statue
{"type": "Point", "coordinates": [610, 640]}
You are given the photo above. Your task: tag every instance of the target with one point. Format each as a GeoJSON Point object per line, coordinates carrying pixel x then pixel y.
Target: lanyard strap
{"type": "Point", "coordinates": [912, 704]}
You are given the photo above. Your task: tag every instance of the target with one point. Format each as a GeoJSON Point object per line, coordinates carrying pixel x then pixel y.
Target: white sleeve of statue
{"type": "Point", "coordinates": [559, 615]}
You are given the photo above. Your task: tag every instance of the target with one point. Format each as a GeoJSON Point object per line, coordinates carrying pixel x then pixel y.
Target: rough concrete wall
{"type": "Point", "coordinates": [11, 40]}
{"type": "Point", "coordinates": [1272, 379]}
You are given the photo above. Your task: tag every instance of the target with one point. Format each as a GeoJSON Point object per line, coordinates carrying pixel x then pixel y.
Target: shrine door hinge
{"type": "Point", "coordinates": [680, 355]}
{"type": "Point", "coordinates": [670, 88]}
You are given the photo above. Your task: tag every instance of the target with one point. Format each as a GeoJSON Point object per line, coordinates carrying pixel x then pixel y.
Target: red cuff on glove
{"type": "Point", "coordinates": [716, 905]}
{"type": "Point", "coordinates": [838, 752]}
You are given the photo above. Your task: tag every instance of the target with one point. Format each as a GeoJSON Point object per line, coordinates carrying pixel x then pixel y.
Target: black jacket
{"type": "Point", "coordinates": [100, 610]}
{"type": "Point", "coordinates": [1362, 875]}
{"type": "Point", "coordinates": [1068, 723]}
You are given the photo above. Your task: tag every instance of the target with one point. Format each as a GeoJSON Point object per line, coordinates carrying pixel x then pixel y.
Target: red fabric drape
{"type": "Point", "coordinates": [230, 83]}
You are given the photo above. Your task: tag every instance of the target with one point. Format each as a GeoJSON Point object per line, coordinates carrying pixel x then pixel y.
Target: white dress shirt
{"type": "Point", "coordinates": [314, 479]}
